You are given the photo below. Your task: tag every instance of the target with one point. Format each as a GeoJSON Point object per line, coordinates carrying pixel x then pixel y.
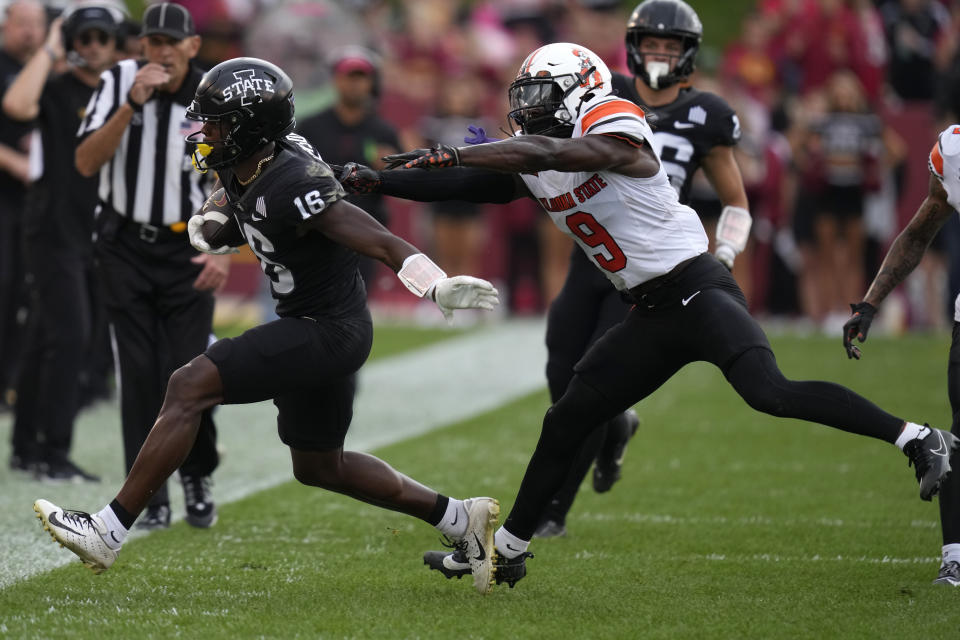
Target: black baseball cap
{"type": "Point", "coordinates": [90, 17]}
{"type": "Point", "coordinates": [168, 19]}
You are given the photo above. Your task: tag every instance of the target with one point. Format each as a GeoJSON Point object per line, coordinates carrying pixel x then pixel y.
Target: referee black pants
{"type": "Point", "coordinates": [158, 323]}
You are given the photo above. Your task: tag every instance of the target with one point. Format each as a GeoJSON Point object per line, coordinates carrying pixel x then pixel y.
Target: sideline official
{"type": "Point", "coordinates": [158, 289]}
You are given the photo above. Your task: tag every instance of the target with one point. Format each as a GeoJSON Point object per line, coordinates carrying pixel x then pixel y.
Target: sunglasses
{"type": "Point", "coordinates": [87, 37]}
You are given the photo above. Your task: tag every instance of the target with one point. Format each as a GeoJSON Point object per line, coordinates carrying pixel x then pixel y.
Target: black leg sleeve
{"type": "Point", "coordinates": [950, 489]}
{"type": "Point", "coordinates": [580, 411]}
{"type": "Point", "coordinates": [758, 380]}
{"type": "Point", "coordinates": [562, 501]}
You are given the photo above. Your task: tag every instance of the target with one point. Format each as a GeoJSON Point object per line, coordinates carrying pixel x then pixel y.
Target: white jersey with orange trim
{"type": "Point", "coordinates": [944, 162]}
{"type": "Point", "coordinates": [633, 229]}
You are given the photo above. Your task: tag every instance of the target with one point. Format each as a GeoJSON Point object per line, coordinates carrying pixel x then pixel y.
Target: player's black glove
{"type": "Point", "coordinates": [438, 157]}
{"type": "Point", "coordinates": [357, 178]}
{"type": "Point", "coordinates": [857, 327]}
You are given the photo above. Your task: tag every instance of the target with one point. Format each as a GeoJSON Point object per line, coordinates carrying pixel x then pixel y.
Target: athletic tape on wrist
{"type": "Point", "coordinates": [733, 229]}
{"type": "Point", "coordinates": [419, 274]}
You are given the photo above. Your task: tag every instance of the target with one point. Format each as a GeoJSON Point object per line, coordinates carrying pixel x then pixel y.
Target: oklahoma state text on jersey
{"type": "Point", "coordinates": [633, 229]}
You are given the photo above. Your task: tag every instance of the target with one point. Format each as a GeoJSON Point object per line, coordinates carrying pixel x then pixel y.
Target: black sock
{"type": "Point", "coordinates": [439, 510]}
{"type": "Point", "coordinates": [125, 517]}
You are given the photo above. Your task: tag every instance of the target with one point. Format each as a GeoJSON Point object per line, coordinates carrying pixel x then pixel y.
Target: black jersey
{"type": "Point", "coordinates": [310, 275]}
{"type": "Point", "coordinates": [685, 130]}
{"type": "Point", "coordinates": [61, 201]}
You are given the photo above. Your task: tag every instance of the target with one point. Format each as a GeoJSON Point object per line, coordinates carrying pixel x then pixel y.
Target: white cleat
{"type": "Point", "coordinates": [78, 531]}
{"type": "Point", "coordinates": [482, 514]}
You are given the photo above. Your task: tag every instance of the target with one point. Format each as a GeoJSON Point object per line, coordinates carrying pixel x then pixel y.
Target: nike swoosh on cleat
{"type": "Point", "coordinates": [942, 449]}
{"type": "Point", "coordinates": [686, 301]}
{"type": "Point", "coordinates": [52, 519]}
{"type": "Point", "coordinates": [483, 553]}
{"type": "Point", "coordinates": [114, 537]}
{"type": "Point", "coordinates": [456, 516]}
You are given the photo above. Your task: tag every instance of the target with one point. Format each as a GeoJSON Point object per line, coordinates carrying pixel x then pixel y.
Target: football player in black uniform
{"type": "Point", "coordinates": [691, 129]}
{"type": "Point", "coordinates": [282, 200]}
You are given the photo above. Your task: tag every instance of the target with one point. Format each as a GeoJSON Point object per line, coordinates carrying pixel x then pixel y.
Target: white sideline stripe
{"type": "Point", "coordinates": [769, 557]}
{"type": "Point", "coordinates": [398, 398]}
{"type": "Point", "coordinates": [756, 520]}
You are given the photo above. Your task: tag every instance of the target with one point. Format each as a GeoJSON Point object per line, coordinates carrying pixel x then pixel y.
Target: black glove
{"type": "Point", "coordinates": [857, 327]}
{"type": "Point", "coordinates": [438, 157]}
{"type": "Point", "coordinates": [357, 178]}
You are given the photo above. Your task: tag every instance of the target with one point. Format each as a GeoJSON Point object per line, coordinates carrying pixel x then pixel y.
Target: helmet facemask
{"type": "Point", "coordinates": [214, 154]}
{"type": "Point", "coordinates": [553, 83]}
{"type": "Point", "coordinates": [539, 105]}
{"type": "Point", "coordinates": [658, 74]}
{"type": "Point", "coordinates": [663, 19]}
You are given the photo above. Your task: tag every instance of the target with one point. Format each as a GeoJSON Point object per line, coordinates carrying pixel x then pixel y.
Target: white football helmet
{"type": "Point", "coordinates": [551, 85]}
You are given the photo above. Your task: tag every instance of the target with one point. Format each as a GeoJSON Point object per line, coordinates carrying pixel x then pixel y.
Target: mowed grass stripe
{"type": "Point", "coordinates": [406, 394]}
{"type": "Point", "coordinates": [751, 501]}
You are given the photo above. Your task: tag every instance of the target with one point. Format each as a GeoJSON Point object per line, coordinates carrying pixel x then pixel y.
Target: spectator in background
{"type": "Point", "coordinates": [351, 130]}
{"type": "Point", "coordinates": [748, 62]}
{"type": "Point", "coordinates": [23, 30]}
{"type": "Point", "coordinates": [58, 232]}
{"type": "Point", "coordinates": [128, 42]}
{"type": "Point", "coordinates": [826, 37]}
{"type": "Point", "coordinates": [427, 47]}
{"type": "Point", "coordinates": [846, 150]}
{"type": "Point", "coordinates": [914, 30]}
{"type": "Point", "coordinates": [458, 230]}
{"type": "Point", "coordinates": [591, 23]}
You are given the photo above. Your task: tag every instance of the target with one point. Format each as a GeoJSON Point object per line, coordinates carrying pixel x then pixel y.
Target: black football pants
{"type": "Point", "coordinates": [586, 307]}
{"type": "Point", "coordinates": [635, 358]}
{"type": "Point", "coordinates": [158, 323]}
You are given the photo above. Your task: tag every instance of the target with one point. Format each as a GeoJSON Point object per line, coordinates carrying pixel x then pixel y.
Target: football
{"type": "Point", "coordinates": [220, 228]}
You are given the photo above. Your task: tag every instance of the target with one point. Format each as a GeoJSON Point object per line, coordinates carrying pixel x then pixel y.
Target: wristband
{"type": "Point", "coordinates": [50, 52]}
{"type": "Point", "coordinates": [420, 274]}
{"type": "Point", "coordinates": [137, 108]}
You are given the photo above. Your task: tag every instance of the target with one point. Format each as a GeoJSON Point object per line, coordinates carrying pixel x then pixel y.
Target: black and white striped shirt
{"type": "Point", "coordinates": [150, 178]}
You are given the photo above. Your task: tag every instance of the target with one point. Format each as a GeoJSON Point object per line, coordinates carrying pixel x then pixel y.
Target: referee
{"type": "Point", "coordinates": [158, 289]}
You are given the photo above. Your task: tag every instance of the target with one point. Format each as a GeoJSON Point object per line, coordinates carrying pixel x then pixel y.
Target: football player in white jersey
{"type": "Point", "coordinates": [943, 197]}
{"type": "Point", "coordinates": [585, 155]}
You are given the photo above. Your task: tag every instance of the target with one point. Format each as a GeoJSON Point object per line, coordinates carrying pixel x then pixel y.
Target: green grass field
{"type": "Point", "coordinates": [727, 524]}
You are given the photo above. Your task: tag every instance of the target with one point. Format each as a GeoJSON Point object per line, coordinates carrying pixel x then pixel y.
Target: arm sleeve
{"type": "Point", "coordinates": [458, 183]}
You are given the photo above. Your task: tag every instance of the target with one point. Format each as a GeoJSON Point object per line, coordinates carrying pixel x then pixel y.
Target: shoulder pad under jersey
{"type": "Point", "coordinates": [612, 115]}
